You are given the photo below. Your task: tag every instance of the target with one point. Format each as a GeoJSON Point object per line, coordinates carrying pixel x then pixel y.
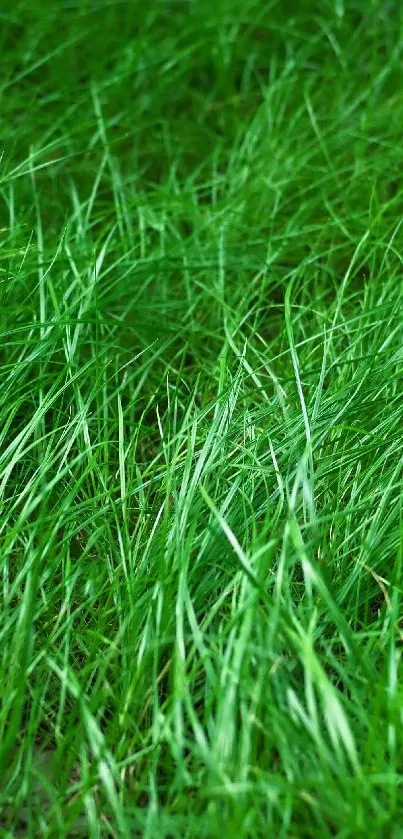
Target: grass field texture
{"type": "Point", "coordinates": [201, 399]}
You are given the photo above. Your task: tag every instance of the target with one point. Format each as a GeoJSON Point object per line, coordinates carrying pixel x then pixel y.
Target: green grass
{"type": "Point", "coordinates": [201, 401]}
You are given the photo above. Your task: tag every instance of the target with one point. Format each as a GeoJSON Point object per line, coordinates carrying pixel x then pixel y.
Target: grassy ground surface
{"type": "Point", "coordinates": [201, 403]}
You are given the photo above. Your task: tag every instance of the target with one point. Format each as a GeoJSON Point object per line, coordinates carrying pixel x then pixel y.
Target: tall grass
{"type": "Point", "coordinates": [201, 418]}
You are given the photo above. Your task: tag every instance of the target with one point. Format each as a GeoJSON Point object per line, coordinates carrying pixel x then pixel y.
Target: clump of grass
{"type": "Point", "coordinates": [201, 412]}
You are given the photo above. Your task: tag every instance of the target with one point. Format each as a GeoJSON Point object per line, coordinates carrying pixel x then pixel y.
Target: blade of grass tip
{"type": "Point", "coordinates": [340, 293]}
{"type": "Point", "coordinates": [40, 428]}
{"type": "Point", "coordinates": [336, 717]}
{"type": "Point", "coordinates": [313, 578]}
{"type": "Point", "coordinates": [122, 472]}
{"type": "Point", "coordinates": [295, 363]}
{"type": "Point", "coordinates": [245, 363]}
{"type": "Point", "coordinates": [320, 138]}
{"type": "Point", "coordinates": [238, 550]}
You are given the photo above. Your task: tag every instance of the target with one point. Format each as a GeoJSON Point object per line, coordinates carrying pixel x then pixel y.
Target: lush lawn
{"type": "Point", "coordinates": [201, 400]}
